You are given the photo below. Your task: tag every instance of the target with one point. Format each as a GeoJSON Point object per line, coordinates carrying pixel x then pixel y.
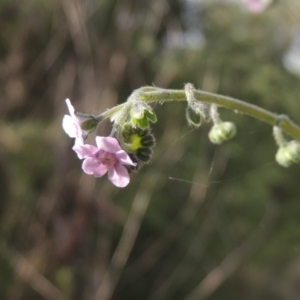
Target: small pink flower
{"type": "Point", "coordinates": [71, 125]}
{"type": "Point", "coordinates": [257, 6]}
{"type": "Point", "coordinates": [106, 157]}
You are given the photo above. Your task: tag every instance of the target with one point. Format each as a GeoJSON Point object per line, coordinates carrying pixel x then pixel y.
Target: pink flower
{"type": "Point", "coordinates": [106, 157]}
{"type": "Point", "coordinates": [257, 6]}
{"type": "Point", "coordinates": [71, 125]}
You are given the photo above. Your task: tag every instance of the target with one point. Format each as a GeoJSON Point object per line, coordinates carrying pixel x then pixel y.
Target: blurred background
{"type": "Point", "coordinates": [201, 221]}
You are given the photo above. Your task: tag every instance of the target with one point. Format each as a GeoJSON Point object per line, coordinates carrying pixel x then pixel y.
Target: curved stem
{"type": "Point", "coordinates": [110, 112]}
{"type": "Point", "coordinates": [278, 136]}
{"type": "Point", "coordinates": [161, 95]}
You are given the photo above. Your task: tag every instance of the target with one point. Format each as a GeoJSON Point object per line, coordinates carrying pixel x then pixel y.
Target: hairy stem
{"type": "Point", "coordinates": [110, 112]}
{"type": "Point", "coordinates": [154, 94]}
{"type": "Point", "coordinates": [282, 121]}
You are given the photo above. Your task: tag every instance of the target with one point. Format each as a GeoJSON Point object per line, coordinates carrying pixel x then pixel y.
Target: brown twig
{"type": "Point", "coordinates": [29, 274]}
{"type": "Point", "coordinates": [131, 228]}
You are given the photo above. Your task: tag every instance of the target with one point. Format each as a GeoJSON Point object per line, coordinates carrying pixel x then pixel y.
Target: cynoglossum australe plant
{"type": "Point", "coordinates": [130, 143]}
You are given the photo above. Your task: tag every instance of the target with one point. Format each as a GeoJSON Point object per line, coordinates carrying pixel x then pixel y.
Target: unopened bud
{"type": "Point", "coordinates": [138, 143]}
{"type": "Point", "coordinates": [288, 154]}
{"type": "Point", "coordinates": [138, 110]}
{"type": "Point", "coordinates": [90, 124]}
{"type": "Point", "coordinates": [142, 122]}
{"type": "Point", "coordinates": [222, 132]}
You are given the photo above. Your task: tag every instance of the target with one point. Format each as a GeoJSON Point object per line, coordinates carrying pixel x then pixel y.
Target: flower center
{"type": "Point", "coordinates": [108, 159]}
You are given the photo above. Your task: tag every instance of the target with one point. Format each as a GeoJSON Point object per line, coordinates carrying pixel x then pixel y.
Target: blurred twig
{"type": "Point", "coordinates": [128, 238]}
{"type": "Point", "coordinates": [186, 216]}
{"type": "Point", "coordinates": [30, 275]}
{"type": "Point", "coordinates": [76, 17]}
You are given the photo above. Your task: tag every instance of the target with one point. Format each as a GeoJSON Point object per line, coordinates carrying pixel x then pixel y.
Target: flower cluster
{"type": "Point", "coordinates": [130, 143]}
{"type": "Point", "coordinates": [107, 157]}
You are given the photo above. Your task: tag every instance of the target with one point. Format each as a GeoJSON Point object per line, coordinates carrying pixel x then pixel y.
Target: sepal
{"type": "Point", "coordinates": [89, 124]}
{"type": "Point", "coordinates": [193, 117]}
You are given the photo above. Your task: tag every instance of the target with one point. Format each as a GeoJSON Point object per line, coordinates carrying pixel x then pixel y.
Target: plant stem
{"type": "Point", "coordinates": [238, 106]}
{"type": "Point", "coordinates": [110, 112]}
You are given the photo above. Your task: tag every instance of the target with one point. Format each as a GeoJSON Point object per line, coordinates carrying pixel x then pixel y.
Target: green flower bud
{"type": "Point", "coordinates": [288, 154]}
{"type": "Point", "coordinates": [141, 123]}
{"type": "Point", "coordinates": [90, 124]}
{"type": "Point", "coordinates": [141, 114]}
{"type": "Point", "coordinates": [222, 132]}
{"type": "Point", "coordinates": [138, 110]}
{"type": "Point", "coordinates": [193, 117]}
{"type": "Point", "coordinates": [138, 143]}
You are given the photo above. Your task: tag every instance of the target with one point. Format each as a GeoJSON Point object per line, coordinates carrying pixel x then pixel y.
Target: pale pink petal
{"type": "Point", "coordinates": [84, 151]}
{"type": "Point", "coordinates": [89, 165]}
{"type": "Point", "coordinates": [99, 160]}
{"type": "Point", "coordinates": [108, 144]}
{"type": "Point", "coordinates": [79, 141]}
{"type": "Point", "coordinates": [70, 108]}
{"type": "Point", "coordinates": [124, 158]}
{"type": "Point", "coordinates": [71, 127]}
{"type": "Point", "coordinates": [255, 6]}
{"type": "Point", "coordinates": [100, 170]}
{"type": "Point", "coordinates": [118, 175]}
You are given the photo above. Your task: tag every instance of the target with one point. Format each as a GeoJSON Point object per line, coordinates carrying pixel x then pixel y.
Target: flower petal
{"type": "Point", "coordinates": [84, 151]}
{"type": "Point", "coordinates": [100, 170]}
{"type": "Point", "coordinates": [124, 158]}
{"type": "Point", "coordinates": [255, 5]}
{"type": "Point", "coordinates": [70, 108]}
{"type": "Point", "coordinates": [108, 144]}
{"type": "Point", "coordinates": [71, 127]}
{"type": "Point", "coordinates": [79, 141]}
{"type": "Point", "coordinates": [118, 175]}
{"type": "Point", "coordinates": [90, 165]}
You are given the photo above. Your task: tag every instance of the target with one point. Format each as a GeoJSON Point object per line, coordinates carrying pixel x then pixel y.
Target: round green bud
{"type": "Point", "coordinates": [222, 132]}
{"type": "Point", "coordinates": [288, 154]}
